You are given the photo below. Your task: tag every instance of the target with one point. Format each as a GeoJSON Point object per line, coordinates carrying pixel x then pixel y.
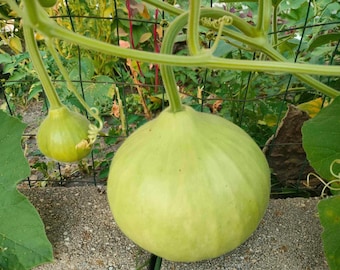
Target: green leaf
{"type": "Point", "coordinates": [223, 49]}
{"type": "Point", "coordinates": [87, 70]}
{"type": "Point", "coordinates": [23, 242]}
{"type": "Point", "coordinates": [321, 139]}
{"type": "Point", "coordinates": [34, 91]}
{"type": "Point", "coordinates": [292, 4]}
{"type": "Point", "coordinates": [101, 92]}
{"type": "Point", "coordinates": [5, 58]}
{"type": "Point", "coordinates": [323, 39]}
{"type": "Point", "coordinates": [329, 212]}
{"type": "Point", "coordinates": [17, 76]}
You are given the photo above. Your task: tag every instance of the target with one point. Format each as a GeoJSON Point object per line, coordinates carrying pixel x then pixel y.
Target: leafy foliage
{"type": "Point", "coordinates": [23, 242]}
{"type": "Point", "coordinates": [321, 139]}
{"type": "Point", "coordinates": [329, 212]}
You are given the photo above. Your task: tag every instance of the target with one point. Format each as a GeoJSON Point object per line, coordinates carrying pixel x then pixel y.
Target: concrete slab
{"type": "Point", "coordinates": [84, 235]}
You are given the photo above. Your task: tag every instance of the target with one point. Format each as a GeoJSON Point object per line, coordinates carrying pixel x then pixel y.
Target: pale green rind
{"type": "Point", "coordinates": [188, 186]}
{"type": "Point", "coordinates": [59, 134]}
{"type": "Point", "coordinates": [23, 242]}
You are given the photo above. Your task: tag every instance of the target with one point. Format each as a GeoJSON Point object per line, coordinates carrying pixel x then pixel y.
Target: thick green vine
{"type": "Point", "coordinates": [38, 19]}
{"type": "Point", "coordinates": [39, 67]}
{"type": "Point", "coordinates": [193, 44]}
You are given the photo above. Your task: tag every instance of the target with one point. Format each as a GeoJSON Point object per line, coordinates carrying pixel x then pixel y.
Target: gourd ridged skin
{"type": "Point", "coordinates": [59, 134]}
{"type": "Point", "coordinates": [188, 186]}
{"type": "Point", "coordinates": [47, 3]}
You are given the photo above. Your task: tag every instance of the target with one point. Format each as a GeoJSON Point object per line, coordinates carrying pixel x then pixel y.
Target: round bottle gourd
{"type": "Point", "coordinates": [63, 134]}
{"type": "Point", "coordinates": [188, 186]}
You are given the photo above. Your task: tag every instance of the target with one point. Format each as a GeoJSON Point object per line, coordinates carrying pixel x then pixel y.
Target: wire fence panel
{"type": "Point", "coordinates": [270, 107]}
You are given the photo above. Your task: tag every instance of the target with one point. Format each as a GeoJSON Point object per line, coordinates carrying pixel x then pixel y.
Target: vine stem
{"type": "Point", "coordinates": [274, 26]}
{"type": "Point", "coordinates": [255, 39]}
{"type": "Point", "coordinates": [317, 85]}
{"type": "Point", "coordinates": [32, 47]}
{"type": "Point", "coordinates": [167, 73]}
{"type": "Point", "coordinates": [239, 23]}
{"type": "Point", "coordinates": [264, 16]}
{"type": "Point", "coordinates": [38, 19]}
{"type": "Point", "coordinates": [70, 85]}
{"type": "Point", "coordinates": [193, 27]}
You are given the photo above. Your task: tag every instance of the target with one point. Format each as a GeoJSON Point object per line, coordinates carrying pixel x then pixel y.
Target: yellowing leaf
{"type": "Point", "coordinates": [155, 99]}
{"type": "Point", "coordinates": [145, 13]}
{"type": "Point", "coordinates": [312, 107]}
{"type": "Point", "coordinates": [160, 31]}
{"type": "Point", "coordinates": [12, 14]}
{"type": "Point", "coordinates": [145, 37]}
{"type": "Point", "coordinates": [108, 11]}
{"type": "Point", "coordinates": [269, 120]}
{"type": "Point", "coordinates": [39, 36]}
{"type": "Point", "coordinates": [122, 33]}
{"type": "Point", "coordinates": [15, 44]}
{"type": "Point", "coordinates": [112, 91]}
{"type": "Point", "coordinates": [132, 64]}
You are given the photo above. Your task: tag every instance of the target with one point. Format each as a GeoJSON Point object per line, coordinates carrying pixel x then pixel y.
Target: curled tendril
{"type": "Point", "coordinates": [92, 132]}
{"type": "Point", "coordinates": [216, 23]}
{"type": "Point", "coordinates": [210, 35]}
{"type": "Point", "coordinates": [164, 23]}
{"type": "Point", "coordinates": [331, 168]}
{"type": "Point", "coordinates": [93, 129]}
{"type": "Point", "coordinates": [327, 184]}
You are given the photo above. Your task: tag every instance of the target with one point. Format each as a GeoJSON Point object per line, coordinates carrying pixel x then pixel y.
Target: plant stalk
{"type": "Point", "coordinates": [39, 67]}
{"type": "Point", "coordinates": [193, 27]}
{"type": "Point", "coordinates": [51, 29]}
{"type": "Point", "coordinates": [70, 85]}
{"type": "Point", "coordinates": [37, 18]}
{"type": "Point", "coordinates": [264, 16]}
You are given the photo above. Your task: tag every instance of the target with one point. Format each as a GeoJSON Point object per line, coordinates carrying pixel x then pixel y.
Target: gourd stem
{"type": "Point", "coordinates": [193, 25]}
{"type": "Point", "coordinates": [274, 26]}
{"type": "Point", "coordinates": [167, 72]}
{"type": "Point", "coordinates": [264, 16]}
{"type": "Point", "coordinates": [70, 85]}
{"type": "Point", "coordinates": [39, 67]}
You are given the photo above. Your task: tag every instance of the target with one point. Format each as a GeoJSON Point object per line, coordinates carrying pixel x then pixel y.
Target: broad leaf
{"type": "Point", "coordinates": [329, 212]}
{"type": "Point", "coordinates": [5, 58]}
{"type": "Point", "coordinates": [323, 39]}
{"type": "Point", "coordinates": [23, 242]}
{"type": "Point", "coordinates": [321, 139]}
{"type": "Point", "coordinates": [87, 70]}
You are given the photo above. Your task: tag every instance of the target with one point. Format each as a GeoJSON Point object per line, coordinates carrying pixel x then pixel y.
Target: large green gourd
{"type": "Point", "coordinates": [188, 186]}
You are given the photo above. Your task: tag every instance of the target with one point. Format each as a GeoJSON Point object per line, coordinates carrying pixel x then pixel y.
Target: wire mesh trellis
{"type": "Point", "coordinates": [255, 101]}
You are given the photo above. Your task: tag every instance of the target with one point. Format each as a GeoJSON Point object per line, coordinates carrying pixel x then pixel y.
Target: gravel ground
{"type": "Point", "coordinates": [84, 236]}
